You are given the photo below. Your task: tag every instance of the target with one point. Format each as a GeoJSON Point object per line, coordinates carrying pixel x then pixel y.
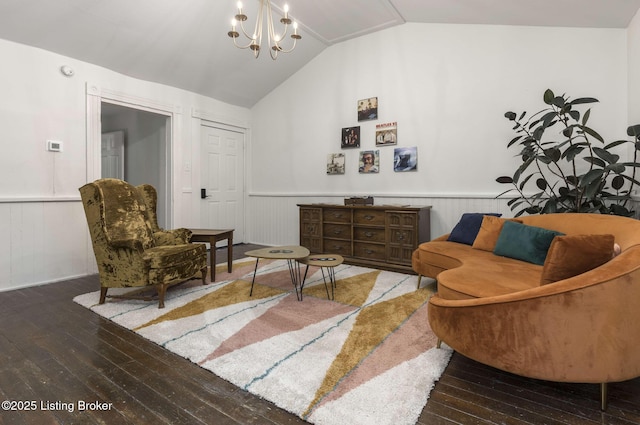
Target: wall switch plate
{"type": "Point", "coordinates": [54, 146]}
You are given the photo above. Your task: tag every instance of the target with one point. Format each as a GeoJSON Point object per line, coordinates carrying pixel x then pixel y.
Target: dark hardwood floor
{"type": "Point", "coordinates": [58, 354]}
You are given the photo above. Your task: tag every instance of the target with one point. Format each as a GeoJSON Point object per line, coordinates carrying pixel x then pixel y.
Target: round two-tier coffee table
{"type": "Point", "coordinates": [289, 253]}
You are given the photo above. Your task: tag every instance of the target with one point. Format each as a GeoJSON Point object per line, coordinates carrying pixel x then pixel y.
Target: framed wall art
{"type": "Point", "coordinates": [368, 109]}
{"type": "Point", "coordinates": [405, 159]}
{"type": "Point", "coordinates": [335, 163]}
{"type": "Point", "coordinates": [369, 161]}
{"type": "Point", "coordinates": [387, 134]}
{"type": "Point", "coordinates": [350, 137]}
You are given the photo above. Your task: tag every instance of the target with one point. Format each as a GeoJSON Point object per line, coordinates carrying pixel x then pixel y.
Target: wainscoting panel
{"type": "Point", "coordinates": [273, 219]}
{"type": "Point", "coordinates": [41, 242]}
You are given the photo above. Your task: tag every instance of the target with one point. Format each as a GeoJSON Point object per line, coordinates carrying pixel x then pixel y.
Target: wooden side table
{"type": "Point", "coordinates": [212, 236]}
{"type": "Point", "coordinates": [289, 253]}
{"type": "Point", "coordinates": [324, 261]}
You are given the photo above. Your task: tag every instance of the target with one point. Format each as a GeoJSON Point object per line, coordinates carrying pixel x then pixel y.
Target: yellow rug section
{"type": "Point", "coordinates": [233, 293]}
{"type": "Point", "coordinates": [373, 325]}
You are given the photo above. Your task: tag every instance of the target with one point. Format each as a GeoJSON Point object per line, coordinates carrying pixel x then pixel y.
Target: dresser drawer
{"type": "Point", "coordinates": [402, 237]}
{"type": "Point", "coordinates": [369, 251]}
{"type": "Point", "coordinates": [310, 229]}
{"type": "Point", "coordinates": [312, 244]}
{"type": "Point", "coordinates": [337, 215]}
{"type": "Point", "coordinates": [337, 246]}
{"type": "Point", "coordinates": [311, 214]}
{"type": "Point", "coordinates": [339, 231]}
{"type": "Point", "coordinates": [369, 234]}
{"type": "Point", "coordinates": [369, 217]}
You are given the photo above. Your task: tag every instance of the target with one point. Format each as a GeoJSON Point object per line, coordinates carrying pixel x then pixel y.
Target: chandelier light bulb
{"type": "Point", "coordinates": [239, 7]}
{"type": "Point", "coordinates": [286, 11]}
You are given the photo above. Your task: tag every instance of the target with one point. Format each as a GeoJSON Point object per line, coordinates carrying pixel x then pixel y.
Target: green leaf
{"type": "Point", "coordinates": [504, 180]}
{"type": "Point", "coordinates": [553, 154]}
{"type": "Point", "coordinates": [550, 207]}
{"type": "Point", "coordinates": [558, 101]}
{"type": "Point", "coordinates": [522, 115]}
{"type": "Point", "coordinates": [617, 182]}
{"type": "Point", "coordinates": [606, 155]}
{"type": "Point", "coordinates": [572, 152]}
{"type": "Point", "coordinates": [583, 100]}
{"type": "Point", "coordinates": [590, 177]}
{"type": "Point", "coordinates": [616, 143]}
{"type": "Point", "coordinates": [541, 183]}
{"type": "Point", "coordinates": [586, 116]}
{"type": "Point", "coordinates": [575, 115]}
{"type": "Point", "coordinates": [595, 161]}
{"type": "Point", "coordinates": [592, 189]}
{"type": "Point", "coordinates": [548, 96]}
{"type": "Point", "coordinates": [634, 131]}
{"type": "Point", "coordinates": [511, 116]}
{"type": "Point", "coordinates": [524, 182]}
{"type": "Point", "coordinates": [615, 168]}
{"type": "Point", "coordinates": [592, 133]}
{"type": "Point", "coordinates": [515, 139]}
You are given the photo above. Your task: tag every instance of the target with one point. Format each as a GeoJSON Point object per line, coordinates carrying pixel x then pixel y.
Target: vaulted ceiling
{"type": "Point", "coordinates": [184, 43]}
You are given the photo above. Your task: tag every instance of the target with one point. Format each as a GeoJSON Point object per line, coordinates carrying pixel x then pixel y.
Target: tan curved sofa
{"type": "Point", "coordinates": [584, 329]}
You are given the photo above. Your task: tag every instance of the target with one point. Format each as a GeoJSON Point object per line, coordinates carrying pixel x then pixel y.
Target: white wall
{"type": "Point", "coordinates": [633, 39]}
{"type": "Point", "coordinates": [447, 87]}
{"type": "Point", "coordinates": [43, 232]}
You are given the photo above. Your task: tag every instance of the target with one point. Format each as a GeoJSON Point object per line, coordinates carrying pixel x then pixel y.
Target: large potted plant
{"type": "Point", "coordinates": [568, 163]}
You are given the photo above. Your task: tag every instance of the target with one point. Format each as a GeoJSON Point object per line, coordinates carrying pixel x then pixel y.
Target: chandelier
{"type": "Point", "coordinates": [274, 39]}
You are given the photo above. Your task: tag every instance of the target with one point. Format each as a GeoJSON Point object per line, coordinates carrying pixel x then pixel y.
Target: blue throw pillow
{"type": "Point", "coordinates": [526, 243]}
{"type": "Point", "coordinates": [468, 227]}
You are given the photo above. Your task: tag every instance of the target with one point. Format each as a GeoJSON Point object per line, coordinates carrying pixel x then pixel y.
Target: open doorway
{"type": "Point", "coordinates": [135, 148]}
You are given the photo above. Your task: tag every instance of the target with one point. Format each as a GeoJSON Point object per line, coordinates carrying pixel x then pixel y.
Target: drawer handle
{"type": "Point", "coordinates": [337, 232]}
{"type": "Point", "coordinates": [369, 234]}
{"type": "Point", "coordinates": [337, 215]}
{"type": "Point", "coordinates": [337, 248]}
{"type": "Point", "coordinates": [369, 217]}
{"type": "Point", "coordinates": [369, 251]}
{"type": "Point", "coordinates": [400, 236]}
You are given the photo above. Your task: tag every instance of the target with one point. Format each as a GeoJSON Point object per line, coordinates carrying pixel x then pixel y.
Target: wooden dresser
{"type": "Point", "coordinates": [382, 236]}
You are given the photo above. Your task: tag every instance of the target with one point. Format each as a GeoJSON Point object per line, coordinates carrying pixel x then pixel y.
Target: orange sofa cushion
{"type": "Point", "coordinates": [572, 255]}
{"type": "Point", "coordinates": [489, 231]}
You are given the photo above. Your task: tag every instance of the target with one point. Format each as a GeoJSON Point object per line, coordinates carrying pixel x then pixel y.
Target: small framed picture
{"type": "Point", "coordinates": [369, 161]}
{"type": "Point", "coordinates": [387, 134]}
{"type": "Point", "coordinates": [405, 159]}
{"type": "Point", "coordinates": [335, 163]}
{"type": "Point", "coordinates": [368, 109]}
{"type": "Point", "coordinates": [350, 137]}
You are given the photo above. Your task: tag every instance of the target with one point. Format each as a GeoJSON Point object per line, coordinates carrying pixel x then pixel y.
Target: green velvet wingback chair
{"type": "Point", "coordinates": [162, 236]}
{"type": "Point", "coordinates": [128, 252]}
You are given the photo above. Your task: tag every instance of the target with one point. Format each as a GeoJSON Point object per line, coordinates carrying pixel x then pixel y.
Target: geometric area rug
{"type": "Point", "coordinates": [369, 357]}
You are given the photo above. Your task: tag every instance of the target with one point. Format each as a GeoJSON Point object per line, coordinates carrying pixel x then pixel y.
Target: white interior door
{"type": "Point", "coordinates": [112, 155]}
{"type": "Point", "coordinates": [222, 177]}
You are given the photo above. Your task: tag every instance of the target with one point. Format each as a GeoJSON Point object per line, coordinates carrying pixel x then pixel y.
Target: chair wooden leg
{"type": "Point", "coordinates": [103, 294]}
{"type": "Point", "coordinates": [204, 275]}
{"type": "Point", "coordinates": [419, 280]}
{"type": "Point", "coordinates": [603, 396]}
{"type": "Point", "coordinates": [439, 343]}
{"type": "Point", "coordinates": [162, 290]}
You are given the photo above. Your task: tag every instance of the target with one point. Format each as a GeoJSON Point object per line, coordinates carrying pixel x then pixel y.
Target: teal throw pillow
{"type": "Point", "coordinates": [523, 242]}
{"type": "Point", "coordinates": [468, 227]}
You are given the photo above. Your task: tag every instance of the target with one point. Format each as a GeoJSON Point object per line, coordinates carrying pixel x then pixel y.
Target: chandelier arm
{"type": "Point", "coordinates": [289, 50]}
